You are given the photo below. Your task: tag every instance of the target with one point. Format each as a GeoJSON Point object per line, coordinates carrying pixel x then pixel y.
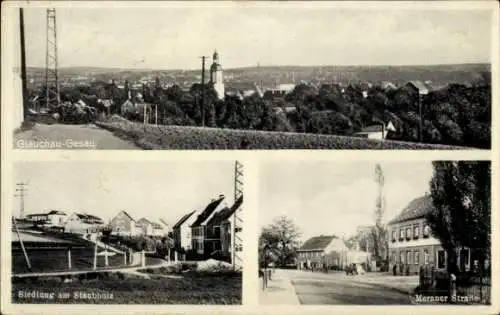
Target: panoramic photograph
{"type": "Point", "coordinates": [231, 76]}
{"type": "Point", "coordinates": [127, 233]}
{"type": "Point", "coordinates": [420, 233]}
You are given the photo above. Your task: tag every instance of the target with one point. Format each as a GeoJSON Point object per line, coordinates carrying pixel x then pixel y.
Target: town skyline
{"type": "Point", "coordinates": [102, 190]}
{"type": "Point", "coordinates": [397, 37]}
{"type": "Point", "coordinates": [322, 187]}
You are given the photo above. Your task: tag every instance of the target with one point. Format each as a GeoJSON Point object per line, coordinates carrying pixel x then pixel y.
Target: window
{"type": "Point", "coordinates": [426, 256]}
{"type": "Point", "coordinates": [416, 257]}
{"type": "Point", "coordinates": [441, 259]}
{"type": "Point", "coordinates": [402, 257]}
{"type": "Point", "coordinates": [427, 230]}
{"type": "Point", "coordinates": [416, 231]}
{"type": "Point", "coordinates": [394, 235]}
{"type": "Point", "coordinates": [401, 234]}
{"type": "Point", "coordinates": [408, 233]}
{"type": "Point", "coordinates": [408, 257]}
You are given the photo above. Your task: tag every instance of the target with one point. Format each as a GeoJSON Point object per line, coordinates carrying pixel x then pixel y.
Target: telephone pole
{"type": "Point", "coordinates": [236, 241]}
{"type": "Point", "coordinates": [52, 96]}
{"type": "Point", "coordinates": [21, 193]}
{"type": "Point", "coordinates": [23, 64]}
{"type": "Point", "coordinates": [202, 105]}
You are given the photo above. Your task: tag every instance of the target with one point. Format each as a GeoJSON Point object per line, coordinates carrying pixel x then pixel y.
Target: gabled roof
{"type": "Point", "coordinates": [209, 210]}
{"type": "Point", "coordinates": [317, 243]}
{"type": "Point", "coordinates": [183, 219]}
{"type": "Point", "coordinates": [57, 212]}
{"type": "Point", "coordinates": [163, 221]}
{"type": "Point", "coordinates": [225, 213]}
{"type": "Point", "coordinates": [128, 215]}
{"type": "Point", "coordinates": [417, 208]}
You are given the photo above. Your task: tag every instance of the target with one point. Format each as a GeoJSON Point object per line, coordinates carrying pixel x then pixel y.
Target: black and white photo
{"type": "Point", "coordinates": [127, 233]}
{"type": "Point", "coordinates": [367, 233]}
{"type": "Point", "coordinates": [268, 75]}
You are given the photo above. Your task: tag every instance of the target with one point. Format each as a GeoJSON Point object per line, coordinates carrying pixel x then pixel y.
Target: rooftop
{"type": "Point", "coordinates": [317, 243]}
{"type": "Point", "coordinates": [417, 208]}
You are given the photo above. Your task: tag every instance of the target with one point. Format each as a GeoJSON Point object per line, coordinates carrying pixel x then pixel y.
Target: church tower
{"type": "Point", "coordinates": [216, 77]}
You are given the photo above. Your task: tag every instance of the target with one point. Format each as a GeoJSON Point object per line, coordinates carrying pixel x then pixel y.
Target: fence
{"type": "Point", "coordinates": [472, 287]}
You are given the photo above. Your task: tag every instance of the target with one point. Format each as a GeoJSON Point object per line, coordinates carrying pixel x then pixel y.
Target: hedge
{"type": "Point", "coordinates": [199, 138]}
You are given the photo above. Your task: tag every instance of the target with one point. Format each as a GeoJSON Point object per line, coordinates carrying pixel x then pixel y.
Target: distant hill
{"type": "Point", "coordinates": [440, 74]}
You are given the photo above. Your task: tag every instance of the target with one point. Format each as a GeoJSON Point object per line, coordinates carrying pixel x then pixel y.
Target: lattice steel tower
{"type": "Point", "coordinates": [237, 241]}
{"type": "Point", "coordinates": [52, 96]}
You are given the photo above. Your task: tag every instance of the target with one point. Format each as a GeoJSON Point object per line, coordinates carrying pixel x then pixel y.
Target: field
{"type": "Point", "coordinates": [196, 138]}
{"type": "Point", "coordinates": [122, 288]}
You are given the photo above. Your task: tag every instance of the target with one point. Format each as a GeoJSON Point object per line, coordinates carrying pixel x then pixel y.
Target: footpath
{"type": "Point", "coordinates": [279, 291]}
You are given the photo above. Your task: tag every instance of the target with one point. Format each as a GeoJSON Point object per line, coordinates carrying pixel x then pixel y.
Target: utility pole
{"type": "Point", "coordinates": [21, 193]}
{"type": "Point", "coordinates": [420, 133]}
{"type": "Point", "coordinates": [202, 105]}
{"type": "Point", "coordinates": [236, 240]}
{"type": "Point", "coordinates": [23, 64]}
{"type": "Point", "coordinates": [51, 64]}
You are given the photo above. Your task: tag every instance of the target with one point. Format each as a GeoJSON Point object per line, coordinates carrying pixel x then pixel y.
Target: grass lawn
{"type": "Point", "coordinates": [120, 288]}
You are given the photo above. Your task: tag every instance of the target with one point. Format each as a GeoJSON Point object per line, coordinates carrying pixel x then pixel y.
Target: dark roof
{"type": "Point", "coordinates": [225, 213]}
{"type": "Point", "coordinates": [210, 208]}
{"type": "Point", "coordinates": [128, 215]}
{"type": "Point", "coordinates": [57, 212]}
{"type": "Point", "coordinates": [416, 209]}
{"type": "Point", "coordinates": [183, 219]}
{"type": "Point", "coordinates": [317, 243]}
{"type": "Point", "coordinates": [233, 208]}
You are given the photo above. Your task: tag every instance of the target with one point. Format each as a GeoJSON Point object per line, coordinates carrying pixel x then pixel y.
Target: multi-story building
{"type": "Point", "coordinates": [182, 232]}
{"type": "Point", "coordinates": [411, 242]}
{"type": "Point", "coordinates": [124, 224]}
{"type": "Point", "coordinates": [317, 250]}
{"type": "Point", "coordinates": [204, 242]}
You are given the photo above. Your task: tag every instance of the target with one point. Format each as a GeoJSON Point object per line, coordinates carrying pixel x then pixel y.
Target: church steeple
{"type": "Point", "coordinates": [216, 77]}
{"type": "Point", "coordinates": [216, 56]}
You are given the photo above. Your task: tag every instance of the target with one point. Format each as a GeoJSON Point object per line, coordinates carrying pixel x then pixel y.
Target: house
{"type": "Point", "coordinates": [412, 243]}
{"type": "Point", "coordinates": [182, 231]}
{"type": "Point", "coordinates": [226, 227]}
{"type": "Point", "coordinates": [281, 89]}
{"type": "Point", "coordinates": [203, 241]}
{"type": "Point", "coordinates": [422, 88]}
{"type": "Point", "coordinates": [243, 89]}
{"type": "Point", "coordinates": [377, 132]}
{"type": "Point", "coordinates": [320, 249]}
{"type": "Point", "coordinates": [157, 229]}
{"type": "Point", "coordinates": [146, 226]}
{"type": "Point", "coordinates": [56, 218]}
{"type": "Point", "coordinates": [165, 226]}
{"type": "Point", "coordinates": [123, 224]}
{"type": "Point", "coordinates": [82, 223]}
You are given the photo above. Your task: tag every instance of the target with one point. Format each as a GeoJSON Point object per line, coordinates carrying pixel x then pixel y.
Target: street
{"type": "Point", "coordinates": [66, 137]}
{"type": "Point", "coordinates": [338, 288]}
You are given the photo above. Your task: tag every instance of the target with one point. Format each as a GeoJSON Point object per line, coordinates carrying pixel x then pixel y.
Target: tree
{"type": "Point", "coordinates": [462, 208]}
{"type": "Point", "coordinates": [281, 240]}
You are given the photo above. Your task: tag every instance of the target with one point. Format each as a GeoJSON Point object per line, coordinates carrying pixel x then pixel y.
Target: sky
{"type": "Point", "coordinates": [244, 34]}
{"type": "Point", "coordinates": [153, 190]}
{"type": "Point", "coordinates": [334, 198]}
